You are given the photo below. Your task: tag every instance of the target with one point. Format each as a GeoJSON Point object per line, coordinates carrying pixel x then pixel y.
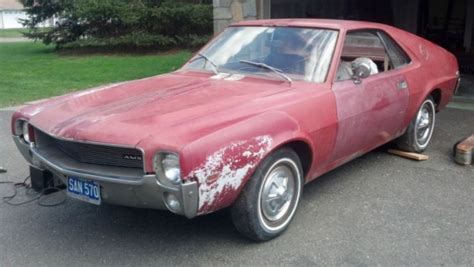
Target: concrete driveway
{"type": "Point", "coordinates": [14, 39]}
{"type": "Point", "coordinates": [376, 210]}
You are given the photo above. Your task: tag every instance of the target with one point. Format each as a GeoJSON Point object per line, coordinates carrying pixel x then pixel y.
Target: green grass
{"type": "Point", "coordinates": [11, 33]}
{"type": "Point", "coordinates": [30, 71]}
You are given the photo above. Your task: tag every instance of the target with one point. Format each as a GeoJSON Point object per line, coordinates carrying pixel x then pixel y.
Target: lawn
{"type": "Point", "coordinates": [30, 71]}
{"type": "Point", "coordinates": [11, 33]}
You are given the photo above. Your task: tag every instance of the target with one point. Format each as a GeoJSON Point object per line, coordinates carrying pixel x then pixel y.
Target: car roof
{"type": "Point", "coordinates": [314, 23]}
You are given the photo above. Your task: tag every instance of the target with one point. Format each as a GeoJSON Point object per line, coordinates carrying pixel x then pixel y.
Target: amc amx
{"type": "Point", "coordinates": [266, 107]}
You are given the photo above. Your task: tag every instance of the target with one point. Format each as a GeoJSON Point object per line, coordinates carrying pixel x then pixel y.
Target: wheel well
{"type": "Point", "coordinates": [436, 94]}
{"type": "Point", "coordinates": [304, 153]}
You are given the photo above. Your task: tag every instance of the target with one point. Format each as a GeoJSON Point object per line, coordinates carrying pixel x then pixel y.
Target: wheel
{"type": "Point", "coordinates": [268, 202]}
{"type": "Point", "coordinates": [419, 132]}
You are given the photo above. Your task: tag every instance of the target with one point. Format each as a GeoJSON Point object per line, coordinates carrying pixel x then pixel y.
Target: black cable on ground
{"type": "Point", "coordinates": [39, 196]}
{"type": "Point", "coordinates": [47, 192]}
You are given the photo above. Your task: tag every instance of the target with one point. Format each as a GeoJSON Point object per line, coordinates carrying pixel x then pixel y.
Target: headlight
{"type": "Point", "coordinates": [25, 131]}
{"type": "Point", "coordinates": [22, 130]}
{"type": "Point", "coordinates": [167, 168]}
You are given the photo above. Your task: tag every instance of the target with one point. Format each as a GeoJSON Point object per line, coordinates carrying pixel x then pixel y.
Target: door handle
{"type": "Point", "coordinates": [401, 85]}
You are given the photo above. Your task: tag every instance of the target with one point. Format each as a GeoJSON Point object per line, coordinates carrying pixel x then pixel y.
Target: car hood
{"type": "Point", "coordinates": [176, 107]}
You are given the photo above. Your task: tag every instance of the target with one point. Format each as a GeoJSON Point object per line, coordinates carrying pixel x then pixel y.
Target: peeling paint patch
{"type": "Point", "coordinates": [226, 169]}
{"type": "Point", "coordinates": [38, 107]}
{"type": "Point", "coordinates": [424, 52]}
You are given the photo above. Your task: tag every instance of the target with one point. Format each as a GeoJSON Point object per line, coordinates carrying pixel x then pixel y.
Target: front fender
{"type": "Point", "coordinates": [222, 162]}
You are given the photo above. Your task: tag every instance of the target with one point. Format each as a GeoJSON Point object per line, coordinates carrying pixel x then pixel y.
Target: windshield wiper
{"type": "Point", "coordinates": [268, 67]}
{"type": "Point", "coordinates": [213, 64]}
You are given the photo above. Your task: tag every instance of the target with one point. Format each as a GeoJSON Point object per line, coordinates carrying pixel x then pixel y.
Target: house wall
{"type": "Point", "coordinates": [469, 27]}
{"type": "Point", "coordinates": [227, 12]}
{"type": "Point", "coordinates": [10, 19]}
{"type": "Point", "coordinates": [405, 14]}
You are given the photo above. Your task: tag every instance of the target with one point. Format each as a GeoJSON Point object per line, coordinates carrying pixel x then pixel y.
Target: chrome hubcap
{"type": "Point", "coordinates": [424, 124]}
{"type": "Point", "coordinates": [278, 192]}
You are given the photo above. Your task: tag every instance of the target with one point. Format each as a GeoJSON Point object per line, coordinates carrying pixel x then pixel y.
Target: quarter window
{"type": "Point", "coordinates": [398, 57]}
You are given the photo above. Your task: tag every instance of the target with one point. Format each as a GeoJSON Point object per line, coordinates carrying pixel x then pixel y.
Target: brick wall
{"type": "Point", "coordinates": [227, 12]}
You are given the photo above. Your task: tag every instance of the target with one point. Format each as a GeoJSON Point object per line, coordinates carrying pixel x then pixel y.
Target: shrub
{"type": "Point", "coordinates": [119, 23]}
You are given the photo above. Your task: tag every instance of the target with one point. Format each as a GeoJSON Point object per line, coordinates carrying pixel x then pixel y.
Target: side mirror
{"type": "Point", "coordinates": [361, 71]}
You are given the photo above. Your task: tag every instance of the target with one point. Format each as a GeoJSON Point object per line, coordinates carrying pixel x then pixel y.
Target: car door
{"type": "Point", "coordinates": [371, 112]}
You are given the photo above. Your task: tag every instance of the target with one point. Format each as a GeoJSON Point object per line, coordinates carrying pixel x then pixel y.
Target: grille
{"type": "Point", "coordinates": [91, 153]}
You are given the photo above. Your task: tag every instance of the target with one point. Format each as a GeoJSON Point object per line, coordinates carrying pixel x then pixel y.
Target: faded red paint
{"type": "Point", "coordinates": [189, 113]}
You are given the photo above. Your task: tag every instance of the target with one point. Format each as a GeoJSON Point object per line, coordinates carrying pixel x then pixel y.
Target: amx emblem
{"type": "Point", "coordinates": [132, 157]}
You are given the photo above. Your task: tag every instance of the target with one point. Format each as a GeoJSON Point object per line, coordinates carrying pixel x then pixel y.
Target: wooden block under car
{"type": "Point", "coordinates": [464, 150]}
{"type": "Point", "coordinates": [409, 155]}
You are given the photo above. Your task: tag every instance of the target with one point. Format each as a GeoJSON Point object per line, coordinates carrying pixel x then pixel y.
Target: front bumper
{"type": "Point", "coordinates": [119, 186]}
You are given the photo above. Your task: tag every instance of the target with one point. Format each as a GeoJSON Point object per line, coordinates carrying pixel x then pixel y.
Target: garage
{"type": "Point", "coordinates": [448, 23]}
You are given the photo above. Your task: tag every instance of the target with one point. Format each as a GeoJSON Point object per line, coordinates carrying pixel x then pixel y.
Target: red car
{"type": "Point", "coordinates": [264, 108]}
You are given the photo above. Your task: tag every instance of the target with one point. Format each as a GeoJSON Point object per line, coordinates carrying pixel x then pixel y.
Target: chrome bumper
{"type": "Point", "coordinates": [118, 186]}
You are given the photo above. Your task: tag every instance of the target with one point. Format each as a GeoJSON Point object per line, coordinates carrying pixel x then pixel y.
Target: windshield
{"type": "Point", "coordinates": [298, 53]}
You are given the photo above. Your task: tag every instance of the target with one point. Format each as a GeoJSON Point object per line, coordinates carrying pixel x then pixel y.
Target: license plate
{"type": "Point", "coordinates": [85, 190]}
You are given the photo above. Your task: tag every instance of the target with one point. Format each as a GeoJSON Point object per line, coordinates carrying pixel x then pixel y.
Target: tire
{"type": "Point", "coordinates": [420, 130]}
{"type": "Point", "coordinates": [267, 204]}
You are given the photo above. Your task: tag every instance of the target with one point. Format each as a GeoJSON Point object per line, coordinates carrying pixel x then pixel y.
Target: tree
{"type": "Point", "coordinates": [119, 23]}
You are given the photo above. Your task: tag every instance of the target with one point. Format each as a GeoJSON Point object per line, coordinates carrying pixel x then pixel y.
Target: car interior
{"type": "Point", "coordinates": [369, 47]}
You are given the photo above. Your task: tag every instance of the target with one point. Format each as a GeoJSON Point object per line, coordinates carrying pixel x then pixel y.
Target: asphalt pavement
{"type": "Point", "coordinates": [376, 210]}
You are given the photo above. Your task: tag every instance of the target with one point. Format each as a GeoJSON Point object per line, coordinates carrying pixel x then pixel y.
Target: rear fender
{"type": "Point", "coordinates": [445, 84]}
